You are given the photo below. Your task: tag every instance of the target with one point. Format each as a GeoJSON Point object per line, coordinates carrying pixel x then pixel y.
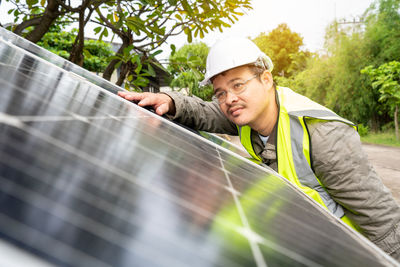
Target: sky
{"type": "Point", "coordinates": [309, 18]}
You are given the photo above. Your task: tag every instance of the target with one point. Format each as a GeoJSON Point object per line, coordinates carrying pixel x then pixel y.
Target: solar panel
{"type": "Point", "coordinates": [90, 179]}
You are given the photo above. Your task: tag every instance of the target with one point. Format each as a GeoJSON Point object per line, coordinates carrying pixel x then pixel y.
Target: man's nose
{"type": "Point", "coordinates": [230, 97]}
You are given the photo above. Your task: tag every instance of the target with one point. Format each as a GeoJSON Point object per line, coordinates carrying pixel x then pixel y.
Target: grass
{"type": "Point", "coordinates": [381, 138]}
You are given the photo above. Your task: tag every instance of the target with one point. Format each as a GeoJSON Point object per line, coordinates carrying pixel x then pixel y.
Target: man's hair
{"type": "Point", "coordinates": [258, 70]}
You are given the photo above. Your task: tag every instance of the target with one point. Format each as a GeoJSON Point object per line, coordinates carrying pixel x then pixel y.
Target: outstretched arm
{"type": "Point", "coordinates": [192, 112]}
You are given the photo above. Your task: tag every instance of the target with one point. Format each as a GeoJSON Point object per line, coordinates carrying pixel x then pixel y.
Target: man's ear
{"type": "Point", "coordinates": [266, 78]}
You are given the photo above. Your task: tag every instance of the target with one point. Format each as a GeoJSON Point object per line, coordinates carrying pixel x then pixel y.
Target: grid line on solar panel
{"type": "Point", "coordinates": [21, 230]}
{"type": "Point", "coordinates": [255, 239]}
{"type": "Point", "coordinates": [42, 159]}
{"type": "Point", "coordinates": [24, 194]}
{"type": "Point", "coordinates": [70, 216]}
{"type": "Point", "coordinates": [260, 261]}
{"type": "Point", "coordinates": [85, 100]}
{"type": "Point", "coordinates": [88, 158]}
{"type": "Point", "coordinates": [155, 154]}
{"type": "Point", "coordinates": [196, 209]}
{"type": "Point", "coordinates": [11, 39]}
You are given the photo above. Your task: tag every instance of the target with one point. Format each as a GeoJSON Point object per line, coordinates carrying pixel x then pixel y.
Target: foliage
{"type": "Point", "coordinates": [283, 47]}
{"type": "Point", "coordinates": [382, 32]}
{"type": "Point", "coordinates": [363, 130]}
{"type": "Point", "coordinates": [188, 66]}
{"type": "Point", "coordinates": [25, 10]}
{"type": "Point", "coordinates": [96, 52]}
{"type": "Point", "coordinates": [386, 79]}
{"type": "Point", "coordinates": [333, 79]}
{"type": "Point", "coordinates": [348, 93]}
{"type": "Point", "coordinates": [142, 25]}
{"type": "Point", "coordinates": [138, 69]}
{"type": "Point", "coordinates": [383, 138]}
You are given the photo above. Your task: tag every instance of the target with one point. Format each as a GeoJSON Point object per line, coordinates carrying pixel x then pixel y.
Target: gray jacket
{"type": "Point", "coordinates": [338, 161]}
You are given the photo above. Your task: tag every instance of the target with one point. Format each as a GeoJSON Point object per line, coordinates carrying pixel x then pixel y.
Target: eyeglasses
{"type": "Point", "coordinates": [236, 89]}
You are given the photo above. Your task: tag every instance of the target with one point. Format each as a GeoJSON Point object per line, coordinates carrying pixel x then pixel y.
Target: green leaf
{"type": "Point", "coordinates": [151, 70]}
{"type": "Point", "coordinates": [30, 3]}
{"type": "Point", "coordinates": [178, 17]}
{"type": "Point", "coordinates": [97, 29]}
{"type": "Point", "coordinates": [138, 68]}
{"type": "Point", "coordinates": [173, 49]}
{"type": "Point", "coordinates": [118, 65]}
{"type": "Point", "coordinates": [187, 7]}
{"type": "Point", "coordinates": [86, 53]}
{"type": "Point", "coordinates": [156, 53]}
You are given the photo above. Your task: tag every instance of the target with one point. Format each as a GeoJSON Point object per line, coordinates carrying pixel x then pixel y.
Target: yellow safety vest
{"type": "Point", "coordinates": [293, 146]}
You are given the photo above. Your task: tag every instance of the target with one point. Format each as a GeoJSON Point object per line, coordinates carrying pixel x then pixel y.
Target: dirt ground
{"type": "Point", "coordinates": [386, 161]}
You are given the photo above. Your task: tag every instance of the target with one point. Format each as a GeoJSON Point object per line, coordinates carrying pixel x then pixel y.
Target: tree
{"type": "Point", "coordinates": [84, 11]}
{"type": "Point", "coordinates": [382, 32]}
{"type": "Point", "coordinates": [144, 25]}
{"type": "Point", "coordinates": [188, 66]}
{"type": "Point", "coordinates": [334, 79]}
{"type": "Point", "coordinates": [386, 79]}
{"type": "Point", "coordinates": [281, 45]}
{"type": "Point", "coordinates": [61, 43]}
{"type": "Point", "coordinates": [39, 18]}
{"type": "Point", "coordinates": [36, 16]}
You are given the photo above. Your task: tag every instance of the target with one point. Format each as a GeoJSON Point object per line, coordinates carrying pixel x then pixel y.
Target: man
{"type": "Point", "coordinates": [308, 144]}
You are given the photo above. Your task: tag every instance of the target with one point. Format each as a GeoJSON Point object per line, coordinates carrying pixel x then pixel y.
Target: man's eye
{"type": "Point", "coordinates": [219, 94]}
{"type": "Point", "coordinates": [237, 86]}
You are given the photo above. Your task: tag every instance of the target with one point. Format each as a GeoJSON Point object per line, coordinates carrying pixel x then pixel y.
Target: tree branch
{"type": "Point", "coordinates": [27, 23]}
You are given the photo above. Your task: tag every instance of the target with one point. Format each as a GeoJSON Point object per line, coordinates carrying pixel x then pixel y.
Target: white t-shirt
{"type": "Point", "coordinates": [264, 139]}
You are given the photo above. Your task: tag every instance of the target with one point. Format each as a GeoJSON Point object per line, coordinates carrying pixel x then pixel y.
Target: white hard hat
{"type": "Point", "coordinates": [231, 53]}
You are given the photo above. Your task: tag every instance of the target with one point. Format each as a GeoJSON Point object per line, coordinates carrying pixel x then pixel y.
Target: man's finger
{"type": "Point", "coordinates": [148, 100]}
{"type": "Point", "coordinates": [134, 96]}
{"type": "Point", "coordinates": [122, 93]}
{"type": "Point", "coordinates": [162, 109]}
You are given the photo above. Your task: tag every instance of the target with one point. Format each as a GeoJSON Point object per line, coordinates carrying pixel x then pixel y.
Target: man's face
{"type": "Point", "coordinates": [249, 107]}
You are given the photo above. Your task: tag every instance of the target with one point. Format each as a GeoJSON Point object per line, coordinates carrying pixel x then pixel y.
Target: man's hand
{"type": "Point", "coordinates": [161, 103]}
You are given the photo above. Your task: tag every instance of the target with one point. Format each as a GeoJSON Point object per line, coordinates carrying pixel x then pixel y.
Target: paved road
{"type": "Point", "coordinates": [386, 161]}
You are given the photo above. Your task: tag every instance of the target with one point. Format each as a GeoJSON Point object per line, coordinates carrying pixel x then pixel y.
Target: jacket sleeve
{"type": "Point", "coordinates": [343, 168]}
{"type": "Point", "coordinates": [201, 115]}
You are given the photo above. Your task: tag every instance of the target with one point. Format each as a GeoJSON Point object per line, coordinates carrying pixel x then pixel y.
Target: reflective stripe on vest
{"type": "Point", "coordinates": [246, 142]}
{"type": "Point", "coordinates": [293, 145]}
